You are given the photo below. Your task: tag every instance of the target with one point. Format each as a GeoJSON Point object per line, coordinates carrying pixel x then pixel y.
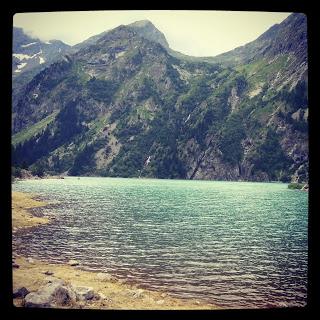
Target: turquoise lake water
{"type": "Point", "coordinates": [233, 244]}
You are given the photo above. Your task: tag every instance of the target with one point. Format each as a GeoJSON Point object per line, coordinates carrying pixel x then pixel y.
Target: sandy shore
{"type": "Point", "coordinates": [21, 218]}
{"type": "Point", "coordinates": [31, 274]}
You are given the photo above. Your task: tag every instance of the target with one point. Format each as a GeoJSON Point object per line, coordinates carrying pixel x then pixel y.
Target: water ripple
{"type": "Point", "coordinates": [232, 244]}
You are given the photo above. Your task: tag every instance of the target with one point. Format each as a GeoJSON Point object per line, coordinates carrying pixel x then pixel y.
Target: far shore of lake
{"type": "Point", "coordinates": [109, 292]}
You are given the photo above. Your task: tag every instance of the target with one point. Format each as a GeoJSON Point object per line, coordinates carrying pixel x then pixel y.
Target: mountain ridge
{"type": "Point", "coordinates": [124, 106]}
{"type": "Point", "coordinates": [30, 51]}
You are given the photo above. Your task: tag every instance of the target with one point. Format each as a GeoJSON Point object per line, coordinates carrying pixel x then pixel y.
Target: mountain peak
{"type": "Point", "coordinates": [287, 37]}
{"type": "Point", "coordinates": [141, 24]}
{"type": "Point", "coordinates": [147, 30]}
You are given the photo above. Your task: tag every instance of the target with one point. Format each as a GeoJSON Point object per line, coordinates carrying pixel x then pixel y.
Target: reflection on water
{"type": "Point", "coordinates": [234, 244]}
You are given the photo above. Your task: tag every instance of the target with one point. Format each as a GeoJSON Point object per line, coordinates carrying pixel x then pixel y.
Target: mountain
{"type": "Point", "coordinates": [144, 28]}
{"type": "Point", "coordinates": [279, 39]}
{"type": "Point", "coordinates": [30, 56]}
{"type": "Point", "coordinates": [288, 39]}
{"type": "Point", "coordinates": [147, 30]}
{"type": "Point", "coordinates": [123, 104]}
{"type": "Point", "coordinates": [28, 53]}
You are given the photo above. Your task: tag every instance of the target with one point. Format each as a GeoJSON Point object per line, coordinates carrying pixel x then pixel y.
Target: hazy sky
{"type": "Point", "coordinates": [197, 33]}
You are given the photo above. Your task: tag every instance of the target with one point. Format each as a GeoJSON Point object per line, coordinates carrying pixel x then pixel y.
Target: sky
{"type": "Point", "coordinates": [196, 33]}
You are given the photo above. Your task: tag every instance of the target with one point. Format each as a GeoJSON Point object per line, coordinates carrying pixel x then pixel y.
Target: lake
{"type": "Point", "coordinates": [233, 244]}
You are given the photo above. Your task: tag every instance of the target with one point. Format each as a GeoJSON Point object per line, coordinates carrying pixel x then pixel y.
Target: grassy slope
{"type": "Point", "coordinates": [31, 131]}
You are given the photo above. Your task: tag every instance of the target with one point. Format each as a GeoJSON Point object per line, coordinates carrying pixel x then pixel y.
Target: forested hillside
{"type": "Point", "coordinates": [124, 104]}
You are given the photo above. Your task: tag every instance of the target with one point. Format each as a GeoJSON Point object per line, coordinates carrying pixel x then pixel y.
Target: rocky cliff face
{"type": "Point", "coordinates": [123, 105]}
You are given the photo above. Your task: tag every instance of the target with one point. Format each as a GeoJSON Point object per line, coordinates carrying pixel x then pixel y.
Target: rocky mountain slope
{"type": "Point", "coordinates": [124, 104]}
{"type": "Point", "coordinates": [28, 53]}
{"type": "Point", "coordinates": [30, 56]}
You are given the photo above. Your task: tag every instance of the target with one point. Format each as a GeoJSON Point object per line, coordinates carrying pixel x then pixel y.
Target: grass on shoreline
{"type": "Point", "coordinates": [295, 185]}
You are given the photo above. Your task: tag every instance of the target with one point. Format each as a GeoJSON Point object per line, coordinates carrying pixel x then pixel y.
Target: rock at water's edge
{"type": "Point", "coordinates": [20, 293]}
{"type": "Point", "coordinates": [30, 260]}
{"type": "Point", "coordinates": [52, 294]}
{"type": "Point", "coordinates": [73, 263]}
{"type": "Point", "coordinates": [35, 300]}
{"type": "Point", "coordinates": [83, 293]}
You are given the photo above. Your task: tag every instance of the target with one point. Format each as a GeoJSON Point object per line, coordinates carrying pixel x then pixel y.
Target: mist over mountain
{"type": "Point", "coordinates": [123, 103]}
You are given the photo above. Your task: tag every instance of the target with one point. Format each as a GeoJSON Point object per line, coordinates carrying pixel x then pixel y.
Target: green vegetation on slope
{"type": "Point", "coordinates": [33, 130]}
{"type": "Point", "coordinates": [170, 118]}
{"type": "Point", "coordinates": [295, 186]}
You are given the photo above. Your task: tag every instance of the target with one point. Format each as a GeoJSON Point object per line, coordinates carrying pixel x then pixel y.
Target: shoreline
{"type": "Point", "coordinates": [32, 177]}
{"type": "Point", "coordinates": [109, 293]}
{"type": "Point", "coordinates": [22, 217]}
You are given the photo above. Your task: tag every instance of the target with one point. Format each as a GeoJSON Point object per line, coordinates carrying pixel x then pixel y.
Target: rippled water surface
{"type": "Point", "coordinates": [234, 244]}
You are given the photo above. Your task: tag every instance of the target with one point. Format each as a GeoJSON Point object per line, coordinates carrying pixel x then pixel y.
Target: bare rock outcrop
{"type": "Point", "coordinates": [58, 293]}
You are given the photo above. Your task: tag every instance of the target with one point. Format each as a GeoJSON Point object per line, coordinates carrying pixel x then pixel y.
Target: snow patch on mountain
{"type": "Point", "coordinates": [22, 65]}
{"type": "Point", "coordinates": [21, 56]}
{"type": "Point", "coordinates": [28, 45]}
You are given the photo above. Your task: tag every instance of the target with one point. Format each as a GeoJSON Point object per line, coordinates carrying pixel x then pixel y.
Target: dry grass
{"type": "Point", "coordinates": [21, 218]}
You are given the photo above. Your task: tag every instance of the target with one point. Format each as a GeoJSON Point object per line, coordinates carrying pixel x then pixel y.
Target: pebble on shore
{"type": "Point", "coordinates": [73, 263]}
